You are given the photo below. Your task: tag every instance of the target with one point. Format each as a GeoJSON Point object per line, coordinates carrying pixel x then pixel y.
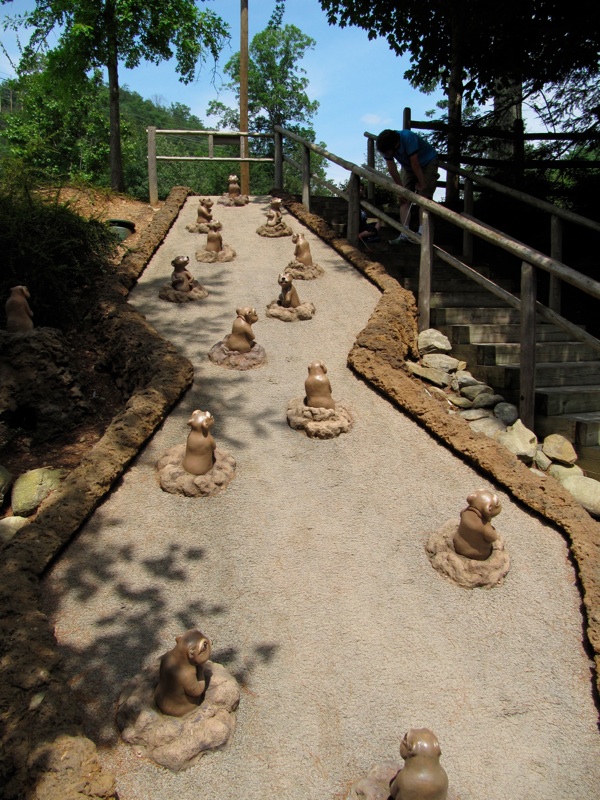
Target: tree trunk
{"type": "Point", "coordinates": [455, 91]}
{"type": "Point", "coordinates": [116, 160]}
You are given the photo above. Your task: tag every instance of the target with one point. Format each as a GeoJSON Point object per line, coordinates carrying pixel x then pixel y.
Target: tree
{"type": "Point", "coordinates": [102, 33]}
{"type": "Point", "coordinates": [276, 87]}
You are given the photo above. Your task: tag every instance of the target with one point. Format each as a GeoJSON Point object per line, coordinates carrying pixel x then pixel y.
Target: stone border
{"type": "Point", "coordinates": [45, 754]}
{"type": "Point", "coordinates": [379, 355]}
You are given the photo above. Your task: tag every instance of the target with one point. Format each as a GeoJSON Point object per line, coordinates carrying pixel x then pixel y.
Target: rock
{"type": "Point", "coordinates": [507, 412]}
{"type": "Point", "coordinates": [220, 354]}
{"type": "Point", "coordinates": [466, 572]}
{"type": "Point", "coordinates": [178, 742]}
{"type": "Point", "coordinates": [304, 311]}
{"type": "Point", "coordinates": [472, 390]}
{"type": "Point", "coordinates": [441, 361]}
{"type": "Point", "coordinates": [487, 400]}
{"type": "Point", "coordinates": [471, 414]}
{"type": "Point", "coordinates": [561, 472]}
{"type": "Point", "coordinates": [541, 459]}
{"type": "Point", "coordinates": [9, 526]}
{"type": "Point", "coordinates": [319, 423]}
{"type": "Point", "coordinates": [433, 341]}
{"type": "Point", "coordinates": [32, 487]}
{"type": "Point", "coordinates": [175, 480]}
{"type": "Point", "coordinates": [376, 783]}
{"type": "Point", "coordinates": [586, 491]}
{"type": "Point", "coordinates": [5, 482]}
{"type": "Point", "coordinates": [559, 449]}
{"type": "Point", "coordinates": [460, 402]}
{"type": "Point", "coordinates": [520, 441]}
{"type": "Point", "coordinates": [538, 472]}
{"type": "Point", "coordinates": [488, 425]}
{"type": "Point", "coordinates": [435, 376]}
{"type": "Point", "coordinates": [463, 378]}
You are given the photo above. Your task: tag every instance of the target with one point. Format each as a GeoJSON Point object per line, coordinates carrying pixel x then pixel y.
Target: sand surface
{"type": "Point", "coordinates": [309, 572]}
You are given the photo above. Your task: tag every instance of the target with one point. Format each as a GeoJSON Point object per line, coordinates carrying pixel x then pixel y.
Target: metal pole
{"type": "Point", "coordinates": [245, 166]}
{"type": "Point", "coordinates": [468, 209]}
{"type": "Point", "coordinates": [152, 176]}
{"type": "Point", "coordinates": [278, 156]}
{"type": "Point", "coordinates": [527, 356]}
{"type": "Point", "coordinates": [306, 178]}
{"type": "Point", "coordinates": [353, 209]}
{"type": "Point", "coordinates": [554, 299]}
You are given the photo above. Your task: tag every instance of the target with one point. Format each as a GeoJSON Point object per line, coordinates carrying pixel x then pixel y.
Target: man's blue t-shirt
{"type": "Point", "coordinates": [411, 143]}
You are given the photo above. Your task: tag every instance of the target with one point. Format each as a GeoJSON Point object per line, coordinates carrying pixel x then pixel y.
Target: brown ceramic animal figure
{"type": "Point", "coordinates": [289, 296]}
{"type": "Point", "coordinates": [200, 446]}
{"type": "Point", "coordinates": [276, 203]}
{"type": "Point", "coordinates": [422, 777]}
{"type": "Point", "coordinates": [204, 210]}
{"type": "Point", "coordinates": [214, 240]}
{"type": "Point", "coordinates": [181, 682]}
{"type": "Point", "coordinates": [19, 317]}
{"type": "Point", "coordinates": [302, 250]}
{"type": "Point", "coordinates": [317, 387]}
{"type": "Point", "coordinates": [241, 338]}
{"type": "Point", "coordinates": [475, 533]}
{"type": "Point", "coordinates": [273, 218]}
{"type": "Point", "coordinates": [181, 279]}
{"type": "Point", "coordinates": [233, 188]}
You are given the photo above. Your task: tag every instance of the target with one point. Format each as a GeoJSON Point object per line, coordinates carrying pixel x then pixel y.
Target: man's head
{"type": "Point", "coordinates": [387, 143]}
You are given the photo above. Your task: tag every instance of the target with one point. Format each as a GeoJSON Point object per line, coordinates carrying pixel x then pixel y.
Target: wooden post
{"type": "Point", "coordinates": [425, 267]}
{"type": "Point", "coordinates": [152, 176]}
{"type": "Point", "coordinates": [468, 209]}
{"type": "Point", "coordinates": [353, 209]}
{"type": "Point", "coordinates": [211, 146]}
{"type": "Point", "coordinates": [527, 356]}
{"type": "Point", "coordinates": [406, 119]}
{"type": "Point", "coordinates": [278, 157]}
{"type": "Point", "coordinates": [244, 165]}
{"type": "Point", "coordinates": [554, 298]}
{"type": "Point", "coordinates": [371, 164]}
{"type": "Point", "coordinates": [306, 177]}
{"type": "Point", "coordinates": [519, 151]}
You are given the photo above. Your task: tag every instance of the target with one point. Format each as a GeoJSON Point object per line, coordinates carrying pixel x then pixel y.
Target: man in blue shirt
{"type": "Point", "coordinates": [419, 167]}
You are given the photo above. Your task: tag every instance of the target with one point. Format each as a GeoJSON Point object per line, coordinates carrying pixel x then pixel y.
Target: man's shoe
{"type": "Point", "coordinates": [402, 239]}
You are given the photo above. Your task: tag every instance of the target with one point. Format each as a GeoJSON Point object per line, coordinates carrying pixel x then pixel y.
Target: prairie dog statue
{"type": "Point", "coordinates": [317, 387]}
{"type": "Point", "coordinates": [181, 682]}
{"type": "Point", "coordinates": [422, 777]}
{"type": "Point", "coordinates": [19, 316]}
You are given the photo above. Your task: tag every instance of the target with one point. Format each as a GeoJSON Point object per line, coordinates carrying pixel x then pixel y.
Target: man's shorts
{"type": "Point", "coordinates": [431, 174]}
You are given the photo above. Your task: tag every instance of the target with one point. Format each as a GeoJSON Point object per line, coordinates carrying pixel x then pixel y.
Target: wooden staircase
{"type": "Point", "coordinates": [485, 334]}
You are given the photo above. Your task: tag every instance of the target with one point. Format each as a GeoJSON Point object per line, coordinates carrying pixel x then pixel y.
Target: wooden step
{"type": "Point", "coordinates": [508, 353]}
{"type": "Point", "coordinates": [589, 460]}
{"type": "Point", "coordinates": [580, 429]}
{"type": "Point", "coordinates": [453, 285]}
{"type": "Point", "coordinates": [482, 334]}
{"type": "Point", "coordinates": [464, 300]}
{"type": "Point", "coordinates": [568, 373]}
{"type": "Point", "coordinates": [502, 315]}
{"type": "Point", "coordinates": [554, 400]}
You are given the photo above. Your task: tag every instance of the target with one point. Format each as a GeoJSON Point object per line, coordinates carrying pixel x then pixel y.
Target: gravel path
{"type": "Point", "coordinates": [309, 572]}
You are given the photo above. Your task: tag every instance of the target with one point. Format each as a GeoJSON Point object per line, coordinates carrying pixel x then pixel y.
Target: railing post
{"type": "Point", "coordinates": [152, 175]}
{"type": "Point", "coordinates": [554, 299]}
{"type": "Point", "coordinates": [467, 235]}
{"type": "Point", "coordinates": [353, 209]}
{"type": "Point", "coordinates": [527, 356]}
{"type": "Point", "coordinates": [425, 267]}
{"type": "Point", "coordinates": [371, 164]}
{"type": "Point", "coordinates": [306, 177]}
{"type": "Point", "coordinates": [519, 150]}
{"type": "Point", "coordinates": [278, 157]}
{"type": "Point", "coordinates": [406, 119]}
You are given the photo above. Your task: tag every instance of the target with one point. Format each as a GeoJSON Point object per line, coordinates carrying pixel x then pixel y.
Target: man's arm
{"type": "Point", "coordinates": [393, 170]}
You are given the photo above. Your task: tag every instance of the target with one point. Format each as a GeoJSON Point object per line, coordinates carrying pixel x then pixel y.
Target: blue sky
{"type": "Point", "coordinates": [359, 83]}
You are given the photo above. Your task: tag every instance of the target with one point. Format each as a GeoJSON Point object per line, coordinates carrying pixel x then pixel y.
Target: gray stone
{"type": "Point", "coordinates": [520, 441]}
{"type": "Point", "coordinates": [178, 742]}
{"type": "Point", "coordinates": [435, 376]}
{"type": "Point", "coordinates": [32, 487]}
{"type": "Point", "coordinates": [441, 361]}
{"type": "Point", "coordinates": [472, 390]}
{"type": "Point", "coordinates": [319, 423]}
{"type": "Point", "coordinates": [586, 491]}
{"type": "Point", "coordinates": [559, 449]}
{"type": "Point", "coordinates": [476, 413]}
{"type": "Point", "coordinates": [538, 472]}
{"type": "Point", "coordinates": [9, 526]}
{"type": "Point", "coordinates": [376, 783]}
{"type": "Point", "coordinates": [460, 402]}
{"type": "Point", "coordinates": [488, 425]}
{"type": "Point", "coordinates": [487, 400]}
{"type": "Point", "coordinates": [433, 341]}
{"type": "Point", "coordinates": [463, 378]}
{"type": "Point", "coordinates": [507, 412]}
{"type": "Point", "coordinates": [562, 472]}
{"type": "Point", "coordinates": [5, 482]}
{"type": "Point", "coordinates": [541, 459]}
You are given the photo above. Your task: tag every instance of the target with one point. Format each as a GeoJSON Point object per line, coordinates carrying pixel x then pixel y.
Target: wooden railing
{"type": "Point", "coordinates": [531, 260]}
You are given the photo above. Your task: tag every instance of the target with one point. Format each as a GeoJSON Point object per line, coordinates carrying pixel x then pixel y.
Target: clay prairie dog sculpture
{"type": "Point", "coordinates": [214, 240]}
{"type": "Point", "coordinates": [317, 387]}
{"type": "Point", "coordinates": [422, 777]}
{"type": "Point", "coordinates": [241, 339]}
{"type": "Point", "coordinates": [200, 446]}
{"type": "Point", "coordinates": [181, 278]}
{"type": "Point", "coordinates": [234, 188]}
{"type": "Point", "coordinates": [475, 533]}
{"type": "Point", "coordinates": [289, 296]}
{"type": "Point", "coordinates": [205, 205]}
{"type": "Point", "coordinates": [19, 316]}
{"type": "Point", "coordinates": [181, 682]}
{"type": "Point", "coordinates": [302, 250]}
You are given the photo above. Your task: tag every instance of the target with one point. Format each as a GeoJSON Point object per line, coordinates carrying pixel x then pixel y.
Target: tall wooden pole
{"type": "Point", "coordinates": [245, 171]}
